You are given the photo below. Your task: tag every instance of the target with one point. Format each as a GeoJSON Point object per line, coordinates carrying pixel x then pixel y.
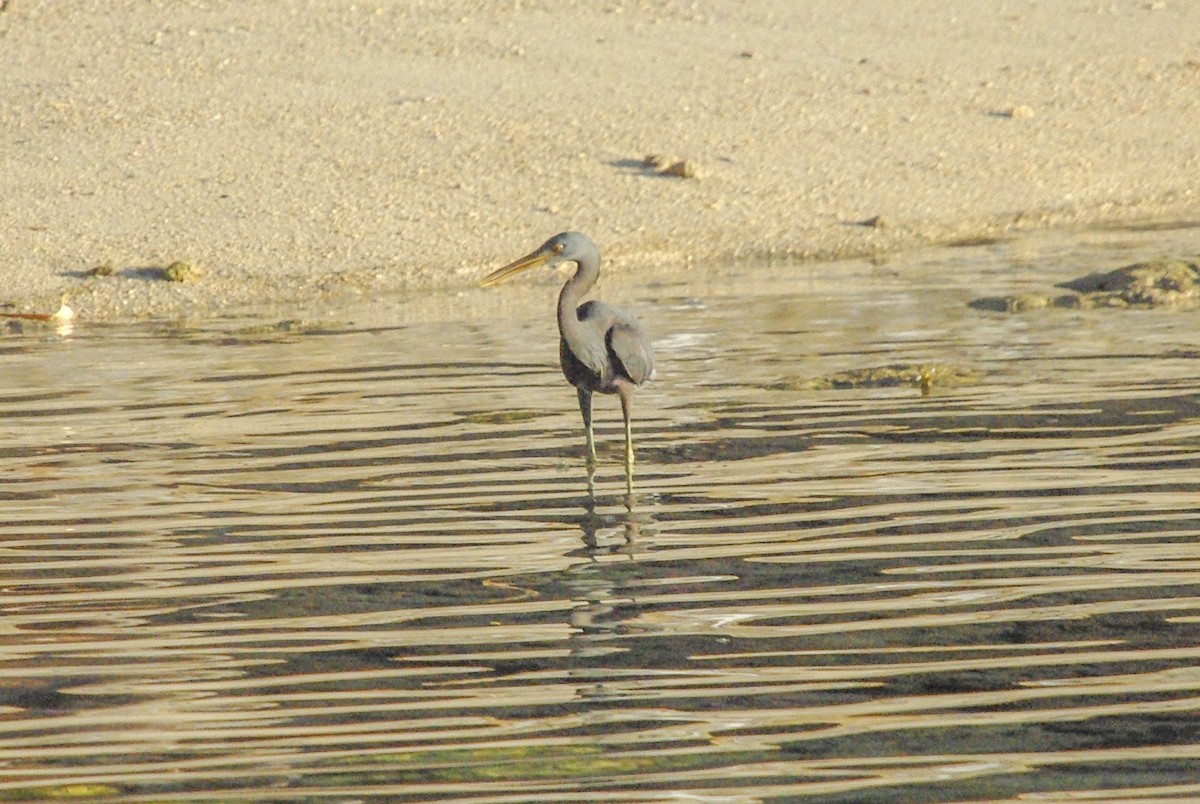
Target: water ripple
{"type": "Point", "coordinates": [352, 563]}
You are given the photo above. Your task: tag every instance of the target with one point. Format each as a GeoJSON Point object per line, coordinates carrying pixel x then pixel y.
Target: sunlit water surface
{"type": "Point", "coordinates": [360, 561]}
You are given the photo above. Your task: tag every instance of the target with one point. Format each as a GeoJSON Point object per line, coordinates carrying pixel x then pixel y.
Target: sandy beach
{"type": "Point", "coordinates": [301, 152]}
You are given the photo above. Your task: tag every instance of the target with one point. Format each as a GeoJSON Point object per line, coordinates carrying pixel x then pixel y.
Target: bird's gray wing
{"type": "Point", "coordinates": [630, 346]}
{"type": "Point", "coordinates": [586, 348]}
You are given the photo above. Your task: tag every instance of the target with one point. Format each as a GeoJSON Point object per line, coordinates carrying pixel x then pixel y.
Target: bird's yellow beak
{"type": "Point", "coordinates": [539, 257]}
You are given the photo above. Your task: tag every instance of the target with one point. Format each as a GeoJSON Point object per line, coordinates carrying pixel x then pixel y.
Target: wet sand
{"type": "Point", "coordinates": [307, 155]}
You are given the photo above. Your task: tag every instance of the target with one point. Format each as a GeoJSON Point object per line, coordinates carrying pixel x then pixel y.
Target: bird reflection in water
{"type": "Point", "coordinates": [603, 587]}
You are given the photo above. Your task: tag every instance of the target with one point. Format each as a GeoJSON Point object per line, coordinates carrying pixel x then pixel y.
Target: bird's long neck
{"type": "Point", "coordinates": [586, 274]}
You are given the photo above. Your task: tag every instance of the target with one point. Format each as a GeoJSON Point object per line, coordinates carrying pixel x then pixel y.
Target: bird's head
{"type": "Point", "coordinates": [563, 247]}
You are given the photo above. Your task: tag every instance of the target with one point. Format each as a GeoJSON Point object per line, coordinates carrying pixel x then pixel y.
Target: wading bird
{"type": "Point", "coordinates": [601, 347]}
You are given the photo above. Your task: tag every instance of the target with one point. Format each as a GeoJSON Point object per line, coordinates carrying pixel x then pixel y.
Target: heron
{"type": "Point", "coordinates": [601, 347]}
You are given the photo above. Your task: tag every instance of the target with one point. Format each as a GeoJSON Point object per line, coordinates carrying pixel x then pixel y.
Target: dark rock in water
{"type": "Point", "coordinates": [1160, 283]}
{"type": "Point", "coordinates": [995, 304]}
{"type": "Point", "coordinates": [1157, 283]}
{"type": "Point", "coordinates": [1070, 301]}
{"type": "Point", "coordinates": [1023, 302]}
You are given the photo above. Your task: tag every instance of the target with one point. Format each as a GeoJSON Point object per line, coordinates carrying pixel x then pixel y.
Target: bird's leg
{"type": "Point", "coordinates": [626, 393]}
{"type": "Point", "coordinates": [585, 409]}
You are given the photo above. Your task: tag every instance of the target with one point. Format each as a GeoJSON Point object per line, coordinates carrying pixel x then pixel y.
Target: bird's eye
{"type": "Point", "coordinates": [558, 247]}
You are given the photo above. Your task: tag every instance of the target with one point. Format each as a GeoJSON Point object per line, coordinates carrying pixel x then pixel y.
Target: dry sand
{"type": "Point", "coordinates": [303, 152]}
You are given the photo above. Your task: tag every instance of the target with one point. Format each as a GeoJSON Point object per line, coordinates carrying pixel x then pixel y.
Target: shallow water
{"type": "Point", "coordinates": [360, 561]}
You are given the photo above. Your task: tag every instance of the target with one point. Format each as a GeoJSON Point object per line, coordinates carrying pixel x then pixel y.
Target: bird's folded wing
{"type": "Point", "coordinates": [632, 348]}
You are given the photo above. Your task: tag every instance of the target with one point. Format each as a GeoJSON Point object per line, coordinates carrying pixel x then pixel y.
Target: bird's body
{"type": "Point", "coordinates": [602, 348]}
{"type": "Point", "coordinates": [626, 355]}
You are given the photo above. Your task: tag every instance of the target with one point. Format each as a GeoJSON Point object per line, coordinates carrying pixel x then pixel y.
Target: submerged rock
{"type": "Point", "coordinates": [924, 376]}
{"type": "Point", "coordinates": [1159, 283]}
{"type": "Point", "coordinates": [1023, 302]}
{"type": "Point", "coordinates": [290, 326]}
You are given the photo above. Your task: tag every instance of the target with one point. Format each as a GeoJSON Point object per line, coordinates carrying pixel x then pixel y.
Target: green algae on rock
{"type": "Point", "coordinates": [924, 376]}
{"type": "Point", "coordinates": [181, 271]}
{"type": "Point", "coordinates": [1157, 283]}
